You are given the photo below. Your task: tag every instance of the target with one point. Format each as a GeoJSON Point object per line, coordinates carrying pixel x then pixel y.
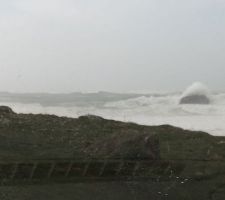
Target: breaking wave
{"type": "Point", "coordinates": [196, 88]}
{"type": "Point", "coordinates": [146, 109]}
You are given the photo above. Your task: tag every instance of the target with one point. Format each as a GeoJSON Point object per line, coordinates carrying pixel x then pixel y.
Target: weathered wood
{"type": "Point", "coordinates": [86, 168]}
{"type": "Point", "coordinates": [14, 171]}
{"type": "Point", "coordinates": [33, 170]}
{"type": "Point", "coordinates": [103, 168]}
{"type": "Point", "coordinates": [51, 170]}
{"type": "Point", "coordinates": [69, 169]}
{"type": "Point", "coordinates": [137, 165]}
{"type": "Point", "coordinates": [120, 167]}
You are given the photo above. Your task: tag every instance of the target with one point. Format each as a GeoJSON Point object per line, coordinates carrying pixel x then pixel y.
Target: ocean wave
{"type": "Point", "coordinates": [148, 110]}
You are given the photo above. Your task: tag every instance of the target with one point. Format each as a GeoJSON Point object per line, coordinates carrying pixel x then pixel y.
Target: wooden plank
{"type": "Point", "coordinates": [86, 168]}
{"type": "Point", "coordinates": [136, 168]}
{"type": "Point", "coordinates": [51, 170]}
{"type": "Point", "coordinates": [69, 169]}
{"type": "Point", "coordinates": [15, 168]}
{"type": "Point", "coordinates": [103, 168]}
{"type": "Point", "coordinates": [33, 170]}
{"type": "Point", "coordinates": [120, 167]}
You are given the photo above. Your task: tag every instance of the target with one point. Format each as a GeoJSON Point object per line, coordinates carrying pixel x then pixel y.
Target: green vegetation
{"type": "Point", "coordinates": [190, 163]}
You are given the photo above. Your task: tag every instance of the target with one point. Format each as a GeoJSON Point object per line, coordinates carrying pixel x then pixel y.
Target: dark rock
{"type": "Point", "coordinates": [5, 110]}
{"type": "Point", "coordinates": [195, 99]}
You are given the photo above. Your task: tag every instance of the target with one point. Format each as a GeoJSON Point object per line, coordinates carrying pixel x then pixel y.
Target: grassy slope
{"type": "Point", "coordinates": [195, 156]}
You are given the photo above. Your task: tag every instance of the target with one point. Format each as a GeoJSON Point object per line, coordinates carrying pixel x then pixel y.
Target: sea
{"type": "Point", "coordinates": [145, 109]}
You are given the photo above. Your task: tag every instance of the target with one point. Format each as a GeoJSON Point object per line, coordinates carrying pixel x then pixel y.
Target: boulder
{"type": "Point", "coordinates": [5, 110]}
{"type": "Point", "coordinates": [195, 99]}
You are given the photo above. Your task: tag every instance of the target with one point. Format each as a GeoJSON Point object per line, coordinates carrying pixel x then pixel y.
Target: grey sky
{"type": "Point", "coordinates": [114, 45]}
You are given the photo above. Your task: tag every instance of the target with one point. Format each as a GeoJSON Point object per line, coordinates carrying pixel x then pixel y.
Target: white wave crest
{"type": "Point", "coordinates": [149, 110]}
{"type": "Point", "coordinates": [196, 88]}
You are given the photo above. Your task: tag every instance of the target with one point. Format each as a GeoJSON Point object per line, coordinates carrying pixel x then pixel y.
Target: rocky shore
{"type": "Point", "coordinates": [192, 163]}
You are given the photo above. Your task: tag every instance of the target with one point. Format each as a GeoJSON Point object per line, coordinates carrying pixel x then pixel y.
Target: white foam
{"type": "Point", "coordinates": [146, 110]}
{"type": "Point", "coordinates": [196, 88]}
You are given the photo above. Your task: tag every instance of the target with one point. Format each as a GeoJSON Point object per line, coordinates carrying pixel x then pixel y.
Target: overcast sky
{"type": "Point", "coordinates": [114, 45]}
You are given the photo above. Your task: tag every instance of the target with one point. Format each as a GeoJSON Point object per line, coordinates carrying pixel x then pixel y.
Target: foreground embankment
{"type": "Point", "coordinates": [182, 164]}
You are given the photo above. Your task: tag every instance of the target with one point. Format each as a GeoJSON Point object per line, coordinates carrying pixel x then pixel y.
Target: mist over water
{"type": "Point", "coordinates": [148, 109]}
{"type": "Point", "coordinates": [197, 88]}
